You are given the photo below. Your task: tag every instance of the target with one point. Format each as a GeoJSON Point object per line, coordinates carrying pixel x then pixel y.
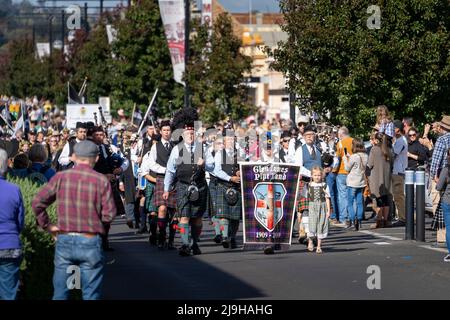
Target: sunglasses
{"type": "Point", "coordinates": [413, 135]}
{"type": "Point", "coordinates": [286, 140]}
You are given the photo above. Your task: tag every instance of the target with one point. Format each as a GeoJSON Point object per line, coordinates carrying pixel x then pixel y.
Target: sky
{"type": "Point", "coordinates": [230, 5]}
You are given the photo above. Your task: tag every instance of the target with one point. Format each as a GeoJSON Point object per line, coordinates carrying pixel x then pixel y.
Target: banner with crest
{"type": "Point", "coordinates": [268, 202]}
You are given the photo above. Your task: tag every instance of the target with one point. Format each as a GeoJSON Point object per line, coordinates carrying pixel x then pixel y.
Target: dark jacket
{"type": "Point", "coordinates": [416, 148]}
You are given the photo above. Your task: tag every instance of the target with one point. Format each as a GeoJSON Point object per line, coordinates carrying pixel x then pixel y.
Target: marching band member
{"type": "Point", "coordinates": [158, 158]}
{"type": "Point", "coordinates": [187, 165]}
{"type": "Point", "coordinates": [229, 202]}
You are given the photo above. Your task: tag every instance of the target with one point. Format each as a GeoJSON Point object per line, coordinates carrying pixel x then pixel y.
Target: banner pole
{"type": "Point", "coordinates": [148, 110]}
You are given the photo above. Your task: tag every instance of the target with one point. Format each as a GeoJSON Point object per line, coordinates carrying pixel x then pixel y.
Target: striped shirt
{"type": "Point", "coordinates": [84, 201]}
{"type": "Point", "coordinates": [439, 160]}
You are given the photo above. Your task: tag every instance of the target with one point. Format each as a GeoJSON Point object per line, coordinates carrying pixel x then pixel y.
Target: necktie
{"type": "Point", "coordinates": [167, 146]}
{"type": "Point", "coordinates": [313, 153]}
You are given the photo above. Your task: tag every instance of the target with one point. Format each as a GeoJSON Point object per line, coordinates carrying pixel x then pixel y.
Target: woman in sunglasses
{"type": "Point", "coordinates": [417, 153]}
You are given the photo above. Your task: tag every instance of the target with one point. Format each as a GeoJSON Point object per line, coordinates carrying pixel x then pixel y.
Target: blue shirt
{"type": "Point", "coordinates": [48, 174]}
{"type": "Point", "coordinates": [12, 215]}
{"type": "Point", "coordinates": [400, 148]}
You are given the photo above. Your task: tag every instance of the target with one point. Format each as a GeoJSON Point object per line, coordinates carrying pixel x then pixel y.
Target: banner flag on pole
{"type": "Point", "coordinates": [173, 18]}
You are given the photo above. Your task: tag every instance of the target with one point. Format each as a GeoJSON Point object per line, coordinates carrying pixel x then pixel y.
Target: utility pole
{"type": "Point", "coordinates": [186, 49]}
{"type": "Point", "coordinates": [63, 28]}
{"type": "Point", "coordinates": [50, 34]}
{"type": "Point", "coordinates": [86, 17]}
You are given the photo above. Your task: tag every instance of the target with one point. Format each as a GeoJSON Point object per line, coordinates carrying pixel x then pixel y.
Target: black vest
{"type": "Point", "coordinates": [103, 165]}
{"type": "Point", "coordinates": [229, 165]}
{"type": "Point", "coordinates": [185, 171]}
{"type": "Point", "coordinates": [282, 155]}
{"type": "Point", "coordinates": [71, 145]}
{"type": "Point", "coordinates": [162, 154]}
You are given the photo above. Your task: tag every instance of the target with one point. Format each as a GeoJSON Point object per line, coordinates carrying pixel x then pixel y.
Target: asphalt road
{"type": "Point", "coordinates": [408, 269]}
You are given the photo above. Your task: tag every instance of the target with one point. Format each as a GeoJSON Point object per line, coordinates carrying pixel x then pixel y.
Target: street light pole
{"type": "Point", "coordinates": [186, 50]}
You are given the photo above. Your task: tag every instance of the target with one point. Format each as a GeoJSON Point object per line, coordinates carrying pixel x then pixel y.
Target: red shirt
{"type": "Point", "coordinates": [84, 201]}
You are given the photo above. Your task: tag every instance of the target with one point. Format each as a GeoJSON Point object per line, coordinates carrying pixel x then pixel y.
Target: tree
{"type": "Point", "coordinates": [342, 66]}
{"type": "Point", "coordinates": [216, 76]}
{"type": "Point", "coordinates": [142, 61]}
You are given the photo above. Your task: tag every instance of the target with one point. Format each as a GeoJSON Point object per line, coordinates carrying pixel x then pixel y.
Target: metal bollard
{"type": "Point", "coordinates": [420, 204]}
{"type": "Point", "coordinates": [409, 204]}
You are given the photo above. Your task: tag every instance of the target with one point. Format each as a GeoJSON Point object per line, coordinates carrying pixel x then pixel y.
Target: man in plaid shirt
{"type": "Point", "coordinates": [439, 160]}
{"type": "Point", "coordinates": [85, 206]}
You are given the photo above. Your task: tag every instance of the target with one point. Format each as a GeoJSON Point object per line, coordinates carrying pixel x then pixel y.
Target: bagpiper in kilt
{"type": "Point", "coordinates": [216, 146]}
{"type": "Point", "coordinates": [159, 156]}
{"type": "Point", "coordinates": [148, 206]}
{"type": "Point", "coordinates": [229, 201]}
{"type": "Point", "coordinates": [187, 165]}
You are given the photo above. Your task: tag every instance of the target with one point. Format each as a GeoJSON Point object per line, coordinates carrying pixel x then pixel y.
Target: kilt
{"type": "Point", "coordinates": [187, 209]}
{"type": "Point", "coordinates": [158, 195]}
{"type": "Point", "coordinates": [149, 197]}
{"type": "Point", "coordinates": [302, 200]}
{"type": "Point", "coordinates": [212, 197]}
{"type": "Point", "coordinates": [223, 209]}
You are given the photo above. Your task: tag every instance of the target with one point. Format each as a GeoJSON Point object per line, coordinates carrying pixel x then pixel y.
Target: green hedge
{"type": "Point", "coordinates": [38, 248]}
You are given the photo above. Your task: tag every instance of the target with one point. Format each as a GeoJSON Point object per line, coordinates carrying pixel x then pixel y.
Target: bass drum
{"type": "Point", "coordinates": [142, 182]}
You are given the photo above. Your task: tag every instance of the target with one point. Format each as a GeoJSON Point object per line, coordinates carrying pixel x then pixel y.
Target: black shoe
{"type": "Point", "coordinates": [226, 243]}
{"type": "Point", "coordinates": [130, 224]}
{"type": "Point", "coordinates": [233, 244]}
{"type": "Point", "coordinates": [356, 225]}
{"type": "Point", "coordinates": [161, 241]}
{"type": "Point", "coordinates": [399, 223]}
{"type": "Point", "coordinates": [170, 246]}
{"type": "Point", "coordinates": [195, 249]}
{"type": "Point", "coordinates": [184, 251]}
{"type": "Point", "coordinates": [218, 239]}
{"type": "Point", "coordinates": [269, 250]}
{"type": "Point", "coordinates": [142, 231]}
{"type": "Point", "coordinates": [153, 240]}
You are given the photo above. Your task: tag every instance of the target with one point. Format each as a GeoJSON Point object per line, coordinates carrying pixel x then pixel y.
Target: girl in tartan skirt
{"type": "Point", "coordinates": [228, 210]}
{"type": "Point", "coordinates": [319, 209]}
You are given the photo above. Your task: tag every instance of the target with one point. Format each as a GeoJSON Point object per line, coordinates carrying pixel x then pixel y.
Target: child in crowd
{"type": "Point", "coordinates": [384, 121]}
{"type": "Point", "coordinates": [319, 209]}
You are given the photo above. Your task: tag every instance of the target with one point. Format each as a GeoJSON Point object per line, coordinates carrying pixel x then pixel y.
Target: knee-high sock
{"type": "Point", "coordinates": [162, 224]}
{"type": "Point", "coordinates": [216, 223]}
{"type": "Point", "coordinates": [184, 232]}
{"type": "Point", "coordinates": [153, 225]}
{"type": "Point", "coordinates": [224, 227]}
{"type": "Point", "coordinates": [196, 230]}
{"type": "Point", "coordinates": [234, 227]}
{"type": "Point", "coordinates": [172, 230]}
{"type": "Point", "coordinates": [142, 217]}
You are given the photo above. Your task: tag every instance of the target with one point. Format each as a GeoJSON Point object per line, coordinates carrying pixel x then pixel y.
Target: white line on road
{"type": "Point", "coordinates": [379, 235]}
{"type": "Point", "coordinates": [382, 243]}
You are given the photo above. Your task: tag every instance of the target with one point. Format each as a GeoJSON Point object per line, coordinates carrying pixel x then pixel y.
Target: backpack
{"type": "Point", "coordinates": [38, 177]}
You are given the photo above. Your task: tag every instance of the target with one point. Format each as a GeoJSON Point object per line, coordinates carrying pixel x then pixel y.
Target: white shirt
{"type": "Point", "coordinates": [159, 169]}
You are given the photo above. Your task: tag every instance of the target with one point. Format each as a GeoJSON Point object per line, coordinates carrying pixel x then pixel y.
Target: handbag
{"type": "Point", "coordinates": [231, 196]}
{"type": "Point", "coordinates": [192, 192]}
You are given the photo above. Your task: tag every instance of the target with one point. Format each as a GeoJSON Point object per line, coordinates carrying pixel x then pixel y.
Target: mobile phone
{"type": "Point", "coordinates": [345, 150]}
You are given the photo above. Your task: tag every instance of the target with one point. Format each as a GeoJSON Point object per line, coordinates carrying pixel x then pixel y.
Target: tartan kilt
{"type": "Point", "coordinates": [223, 209]}
{"type": "Point", "coordinates": [187, 209]}
{"type": "Point", "coordinates": [158, 195]}
{"type": "Point", "coordinates": [212, 198]}
{"type": "Point", "coordinates": [149, 197]}
{"type": "Point", "coordinates": [302, 201]}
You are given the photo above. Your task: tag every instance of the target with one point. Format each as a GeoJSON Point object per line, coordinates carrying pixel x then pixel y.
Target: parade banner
{"type": "Point", "coordinates": [172, 15]}
{"type": "Point", "coordinates": [83, 113]}
{"type": "Point", "coordinates": [268, 202]}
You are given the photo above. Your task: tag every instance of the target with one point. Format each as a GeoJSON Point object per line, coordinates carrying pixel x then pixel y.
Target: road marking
{"type": "Point", "coordinates": [379, 235]}
{"type": "Point", "coordinates": [434, 249]}
{"type": "Point", "coordinates": [382, 243]}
